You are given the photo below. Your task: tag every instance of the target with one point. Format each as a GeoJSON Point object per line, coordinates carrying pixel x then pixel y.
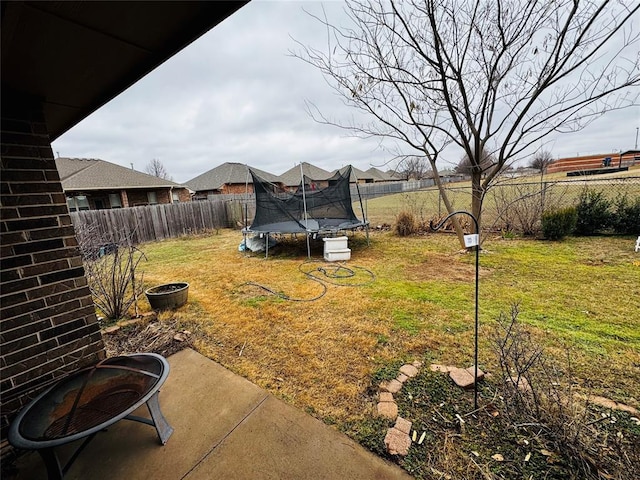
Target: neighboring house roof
{"type": "Point", "coordinates": [356, 174]}
{"type": "Point", "coordinates": [381, 176]}
{"type": "Point", "coordinates": [395, 175]}
{"type": "Point", "coordinates": [376, 174]}
{"type": "Point", "coordinates": [96, 174]}
{"type": "Point", "coordinates": [629, 152]}
{"type": "Point", "coordinates": [227, 174]}
{"type": "Point", "coordinates": [292, 176]}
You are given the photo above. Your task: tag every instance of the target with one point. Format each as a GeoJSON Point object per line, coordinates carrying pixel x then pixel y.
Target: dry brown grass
{"type": "Point", "coordinates": [320, 355]}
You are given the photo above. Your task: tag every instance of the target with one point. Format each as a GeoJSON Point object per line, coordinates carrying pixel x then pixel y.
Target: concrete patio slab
{"type": "Point", "coordinates": [279, 441]}
{"type": "Point", "coordinates": [224, 427]}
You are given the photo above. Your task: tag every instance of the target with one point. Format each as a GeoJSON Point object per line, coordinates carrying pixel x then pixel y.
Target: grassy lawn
{"type": "Point", "coordinates": [580, 298]}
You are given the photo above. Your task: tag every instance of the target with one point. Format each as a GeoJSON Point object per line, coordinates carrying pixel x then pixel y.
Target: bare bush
{"type": "Point", "coordinates": [540, 396]}
{"type": "Point", "coordinates": [406, 224]}
{"type": "Point", "coordinates": [110, 266]}
{"type": "Point", "coordinates": [519, 207]}
{"type": "Point", "coordinates": [418, 206]}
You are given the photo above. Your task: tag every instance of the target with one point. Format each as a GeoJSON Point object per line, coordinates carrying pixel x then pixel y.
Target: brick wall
{"type": "Point", "coordinates": [183, 194]}
{"type": "Point", "coordinates": [141, 197]}
{"type": "Point", "coordinates": [236, 188]}
{"type": "Point", "coordinates": [48, 325]}
{"type": "Point", "coordinates": [590, 162]}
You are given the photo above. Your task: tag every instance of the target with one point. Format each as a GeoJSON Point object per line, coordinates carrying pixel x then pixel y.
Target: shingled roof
{"type": "Point", "coordinates": [228, 173]}
{"type": "Point", "coordinates": [357, 175]}
{"type": "Point", "coordinates": [379, 175]}
{"type": "Point", "coordinates": [292, 178]}
{"type": "Point", "coordinates": [96, 174]}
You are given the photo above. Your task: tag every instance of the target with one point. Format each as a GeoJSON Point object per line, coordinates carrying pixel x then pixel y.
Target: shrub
{"type": "Point", "coordinates": [542, 394]}
{"type": "Point", "coordinates": [626, 217]}
{"type": "Point", "coordinates": [593, 213]}
{"type": "Point", "coordinates": [559, 223]}
{"type": "Point", "coordinates": [110, 265]}
{"type": "Point", "coordinates": [405, 224]}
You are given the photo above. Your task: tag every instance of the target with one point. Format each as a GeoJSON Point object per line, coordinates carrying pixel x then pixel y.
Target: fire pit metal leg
{"type": "Point", "coordinates": [54, 471]}
{"type": "Point", "coordinates": [158, 421]}
{"type": "Point", "coordinates": [162, 426]}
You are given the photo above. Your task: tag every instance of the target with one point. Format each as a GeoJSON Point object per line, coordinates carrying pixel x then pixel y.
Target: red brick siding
{"type": "Point", "coordinates": [588, 162]}
{"type": "Point", "coordinates": [317, 185]}
{"type": "Point", "coordinates": [130, 198]}
{"type": "Point", "coordinates": [48, 325]}
{"type": "Point", "coordinates": [204, 194]}
{"type": "Point", "coordinates": [183, 194]}
{"type": "Point", "coordinates": [236, 188]}
{"type": "Point", "coordinates": [140, 197]}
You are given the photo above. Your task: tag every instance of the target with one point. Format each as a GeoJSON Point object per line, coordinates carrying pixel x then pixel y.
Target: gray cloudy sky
{"type": "Point", "coordinates": [235, 95]}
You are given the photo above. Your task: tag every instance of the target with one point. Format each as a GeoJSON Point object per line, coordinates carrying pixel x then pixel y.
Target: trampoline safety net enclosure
{"type": "Point", "coordinates": [309, 209]}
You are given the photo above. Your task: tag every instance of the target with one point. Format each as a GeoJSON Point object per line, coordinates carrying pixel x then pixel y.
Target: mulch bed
{"type": "Point", "coordinates": [147, 335]}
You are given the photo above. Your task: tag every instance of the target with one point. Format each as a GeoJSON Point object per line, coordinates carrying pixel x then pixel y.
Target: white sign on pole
{"type": "Point", "coordinates": [471, 240]}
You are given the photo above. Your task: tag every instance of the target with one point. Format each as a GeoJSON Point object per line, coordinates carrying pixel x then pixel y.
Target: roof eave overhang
{"type": "Point", "coordinates": [138, 187]}
{"type": "Point", "coordinates": [76, 56]}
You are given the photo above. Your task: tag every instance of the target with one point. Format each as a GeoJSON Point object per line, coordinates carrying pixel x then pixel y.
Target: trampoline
{"type": "Point", "coordinates": [312, 209]}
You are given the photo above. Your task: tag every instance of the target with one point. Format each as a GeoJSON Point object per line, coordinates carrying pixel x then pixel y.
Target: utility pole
{"type": "Point", "coordinates": [636, 138]}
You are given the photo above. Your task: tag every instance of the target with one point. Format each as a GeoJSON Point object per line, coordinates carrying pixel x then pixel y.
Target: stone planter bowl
{"type": "Point", "coordinates": [168, 295]}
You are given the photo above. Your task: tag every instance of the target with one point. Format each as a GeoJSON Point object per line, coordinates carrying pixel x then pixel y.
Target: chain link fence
{"type": "Point", "coordinates": [514, 205]}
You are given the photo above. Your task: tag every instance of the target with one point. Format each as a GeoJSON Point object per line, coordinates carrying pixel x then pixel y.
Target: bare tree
{"type": "Point", "coordinates": [488, 75]}
{"type": "Point", "coordinates": [541, 161]}
{"type": "Point", "coordinates": [415, 168]}
{"type": "Point", "coordinates": [157, 169]}
{"type": "Point", "coordinates": [465, 166]}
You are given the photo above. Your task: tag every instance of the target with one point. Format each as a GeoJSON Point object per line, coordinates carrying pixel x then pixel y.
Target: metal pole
{"type": "Point", "coordinates": [475, 353]}
{"type": "Point", "coordinates": [246, 211]}
{"type": "Point", "coordinates": [246, 199]}
{"type": "Point", "coordinates": [304, 204]}
{"type": "Point", "coordinates": [364, 215]}
{"type": "Point", "coordinates": [477, 279]}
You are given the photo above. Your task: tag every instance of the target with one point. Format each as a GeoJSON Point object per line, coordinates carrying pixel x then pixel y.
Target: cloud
{"type": "Point", "coordinates": [236, 95]}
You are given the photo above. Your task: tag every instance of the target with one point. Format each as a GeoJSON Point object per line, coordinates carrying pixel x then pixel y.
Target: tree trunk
{"type": "Point", "coordinates": [447, 203]}
{"type": "Point", "coordinates": [477, 195]}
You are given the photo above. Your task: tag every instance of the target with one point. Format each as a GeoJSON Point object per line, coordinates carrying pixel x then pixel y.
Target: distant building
{"type": "Point", "coordinates": [380, 176]}
{"type": "Point", "coordinates": [592, 162]}
{"type": "Point", "coordinates": [228, 178]}
{"type": "Point", "coordinates": [358, 176]}
{"type": "Point", "coordinates": [292, 178]}
{"type": "Point", "coordinates": [94, 184]}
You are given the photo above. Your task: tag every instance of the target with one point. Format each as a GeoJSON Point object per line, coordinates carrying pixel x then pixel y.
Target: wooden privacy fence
{"type": "Point", "coordinates": [157, 222]}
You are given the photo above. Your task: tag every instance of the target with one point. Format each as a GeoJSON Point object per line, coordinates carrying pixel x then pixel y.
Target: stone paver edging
{"type": "Point", "coordinates": [398, 438]}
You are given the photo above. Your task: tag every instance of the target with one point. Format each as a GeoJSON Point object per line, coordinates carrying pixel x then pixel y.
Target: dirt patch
{"type": "Point", "coordinates": [449, 267]}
